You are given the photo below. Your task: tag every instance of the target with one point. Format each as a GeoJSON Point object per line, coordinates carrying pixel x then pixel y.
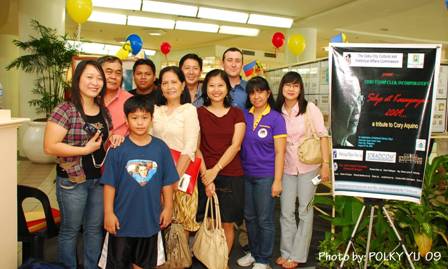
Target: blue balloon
{"type": "Point", "coordinates": [339, 38]}
{"type": "Point", "coordinates": [136, 43]}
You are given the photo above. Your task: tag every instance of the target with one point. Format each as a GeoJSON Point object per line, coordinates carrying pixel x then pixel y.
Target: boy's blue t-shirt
{"type": "Point", "coordinates": [138, 174]}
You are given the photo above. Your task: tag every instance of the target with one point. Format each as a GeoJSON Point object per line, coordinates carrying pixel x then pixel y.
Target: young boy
{"type": "Point", "coordinates": [135, 174]}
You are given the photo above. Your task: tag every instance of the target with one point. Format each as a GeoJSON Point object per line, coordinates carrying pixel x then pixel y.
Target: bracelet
{"type": "Point", "coordinates": [219, 166]}
{"type": "Point", "coordinates": [326, 162]}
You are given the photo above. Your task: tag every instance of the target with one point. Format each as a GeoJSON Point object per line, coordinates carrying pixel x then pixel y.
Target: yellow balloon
{"type": "Point", "coordinates": [79, 10]}
{"type": "Point", "coordinates": [124, 51]}
{"type": "Point", "coordinates": [296, 44]}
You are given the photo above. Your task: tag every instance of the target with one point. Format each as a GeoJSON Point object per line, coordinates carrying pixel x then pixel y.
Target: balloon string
{"type": "Point", "coordinates": [78, 36]}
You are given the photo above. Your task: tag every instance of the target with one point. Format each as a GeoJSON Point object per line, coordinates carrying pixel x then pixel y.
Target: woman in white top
{"type": "Point", "coordinates": [176, 123]}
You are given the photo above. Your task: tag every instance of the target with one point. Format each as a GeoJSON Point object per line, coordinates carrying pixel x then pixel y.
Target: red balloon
{"type": "Point", "coordinates": [165, 48]}
{"type": "Point", "coordinates": [278, 39]}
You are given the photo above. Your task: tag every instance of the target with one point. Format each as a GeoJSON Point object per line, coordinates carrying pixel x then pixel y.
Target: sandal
{"type": "Point", "coordinates": [290, 264]}
{"type": "Point", "coordinates": [280, 260]}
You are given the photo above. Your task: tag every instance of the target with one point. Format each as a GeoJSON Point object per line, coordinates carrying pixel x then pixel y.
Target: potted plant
{"type": "Point", "coordinates": [47, 55]}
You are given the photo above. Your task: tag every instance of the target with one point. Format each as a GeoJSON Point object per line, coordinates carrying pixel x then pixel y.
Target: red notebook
{"type": "Point", "coordinates": [187, 181]}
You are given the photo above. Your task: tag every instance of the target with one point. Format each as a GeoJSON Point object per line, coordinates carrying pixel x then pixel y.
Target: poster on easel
{"type": "Point", "coordinates": [381, 97]}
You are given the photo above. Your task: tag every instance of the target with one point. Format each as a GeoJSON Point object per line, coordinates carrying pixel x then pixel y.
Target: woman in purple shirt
{"type": "Point", "coordinates": [263, 152]}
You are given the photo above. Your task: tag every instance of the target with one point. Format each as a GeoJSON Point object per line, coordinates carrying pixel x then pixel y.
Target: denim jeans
{"type": "Point", "coordinates": [259, 217]}
{"type": "Point", "coordinates": [295, 239]}
{"type": "Point", "coordinates": [80, 205]}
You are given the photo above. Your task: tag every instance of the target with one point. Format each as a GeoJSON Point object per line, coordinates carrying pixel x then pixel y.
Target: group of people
{"type": "Point", "coordinates": [115, 170]}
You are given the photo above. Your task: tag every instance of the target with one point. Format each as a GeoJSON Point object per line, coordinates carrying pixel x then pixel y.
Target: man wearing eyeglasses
{"type": "Point", "coordinates": [115, 95]}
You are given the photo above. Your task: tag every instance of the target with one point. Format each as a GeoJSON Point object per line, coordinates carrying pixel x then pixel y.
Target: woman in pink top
{"type": "Point", "coordinates": [296, 181]}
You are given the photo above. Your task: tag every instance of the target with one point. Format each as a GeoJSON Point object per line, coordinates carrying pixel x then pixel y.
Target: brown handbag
{"type": "Point", "coordinates": [309, 151]}
{"type": "Point", "coordinates": [177, 250]}
{"type": "Point", "coordinates": [210, 246]}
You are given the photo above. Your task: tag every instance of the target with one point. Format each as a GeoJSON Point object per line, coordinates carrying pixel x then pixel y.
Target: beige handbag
{"type": "Point", "coordinates": [309, 151]}
{"type": "Point", "coordinates": [210, 246]}
{"type": "Point", "coordinates": [177, 250]}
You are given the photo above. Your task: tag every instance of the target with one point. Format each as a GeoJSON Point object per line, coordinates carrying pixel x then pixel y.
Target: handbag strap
{"type": "Point", "coordinates": [217, 211]}
{"type": "Point", "coordinates": [309, 123]}
{"type": "Point", "coordinates": [214, 212]}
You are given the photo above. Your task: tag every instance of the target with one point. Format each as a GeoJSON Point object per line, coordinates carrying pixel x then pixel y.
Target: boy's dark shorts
{"type": "Point", "coordinates": [124, 251]}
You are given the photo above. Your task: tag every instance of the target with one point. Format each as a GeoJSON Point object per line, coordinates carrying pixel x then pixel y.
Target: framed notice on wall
{"type": "Point", "coordinates": [382, 99]}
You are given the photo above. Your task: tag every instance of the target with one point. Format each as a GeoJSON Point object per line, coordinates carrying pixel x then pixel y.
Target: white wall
{"type": "Point", "coordinates": [9, 79]}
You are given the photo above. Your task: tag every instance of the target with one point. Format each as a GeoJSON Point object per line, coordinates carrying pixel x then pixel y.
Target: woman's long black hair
{"type": "Point", "coordinates": [292, 77]}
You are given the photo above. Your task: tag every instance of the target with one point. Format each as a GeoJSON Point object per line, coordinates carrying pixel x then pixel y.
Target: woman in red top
{"type": "Point", "coordinates": [222, 132]}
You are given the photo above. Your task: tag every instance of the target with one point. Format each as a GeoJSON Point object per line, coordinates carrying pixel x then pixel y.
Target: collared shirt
{"type": "Point", "coordinates": [115, 107]}
{"type": "Point", "coordinates": [197, 100]}
{"type": "Point", "coordinates": [239, 94]}
{"type": "Point", "coordinates": [295, 127]}
{"type": "Point", "coordinates": [258, 149]}
{"type": "Point", "coordinates": [67, 116]}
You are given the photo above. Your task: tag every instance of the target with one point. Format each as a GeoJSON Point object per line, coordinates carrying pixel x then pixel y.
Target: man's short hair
{"type": "Point", "coordinates": [109, 59]}
{"type": "Point", "coordinates": [147, 62]}
{"type": "Point", "coordinates": [231, 49]}
{"type": "Point", "coordinates": [138, 102]}
{"type": "Point", "coordinates": [191, 56]}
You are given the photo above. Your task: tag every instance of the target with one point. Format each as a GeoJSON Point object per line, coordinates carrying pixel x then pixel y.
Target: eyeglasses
{"type": "Point", "coordinates": [292, 85]}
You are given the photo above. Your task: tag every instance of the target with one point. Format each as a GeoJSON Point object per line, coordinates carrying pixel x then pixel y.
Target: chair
{"type": "Point", "coordinates": [32, 234]}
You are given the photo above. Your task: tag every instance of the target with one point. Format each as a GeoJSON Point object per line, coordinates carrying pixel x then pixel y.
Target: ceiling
{"type": "Point", "coordinates": [379, 21]}
{"type": "Point", "coordinates": [376, 21]}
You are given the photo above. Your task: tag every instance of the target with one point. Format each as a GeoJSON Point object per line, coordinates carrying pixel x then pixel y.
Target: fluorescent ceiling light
{"type": "Point", "coordinates": [150, 52]}
{"type": "Point", "coordinates": [120, 4]}
{"type": "Point", "coordinates": [169, 8]}
{"type": "Point", "coordinates": [231, 30]}
{"type": "Point", "coordinates": [270, 21]}
{"type": "Point", "coordinates": [196, 26]}
{"type": "Point", "coordinates": [101, 49]}
{"type": "Point", "coordinates": [95, 48]}
{"type": "Point", "coordinates": [108, 17]}
{"type": "Point", "coordinates": [222, 15]}
{"type": "Point", "coordinates": [150, 22]}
